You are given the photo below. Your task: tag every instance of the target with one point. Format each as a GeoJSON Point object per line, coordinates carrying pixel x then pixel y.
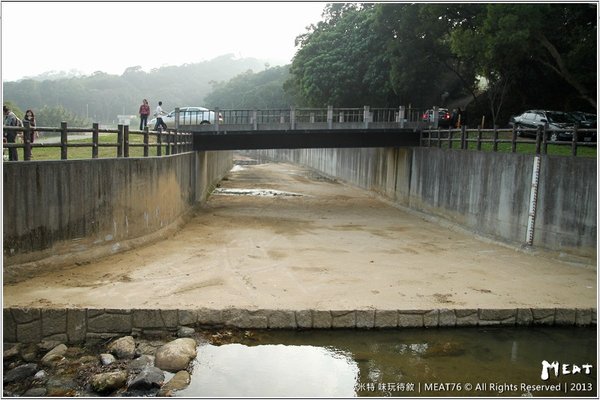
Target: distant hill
{"type": "Point", "coordinates": [101, 96]}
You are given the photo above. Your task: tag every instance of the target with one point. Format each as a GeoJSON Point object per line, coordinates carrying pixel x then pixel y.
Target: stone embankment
{"type": "Point", "coordinates": [32, 325]}
{"type": "Point", "coordinates": [122, 367]}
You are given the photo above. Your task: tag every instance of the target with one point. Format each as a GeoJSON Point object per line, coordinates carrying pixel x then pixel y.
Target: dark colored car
{"type": "Point", "coordinates": [585, 120]}
{"type": "Point", "coordinates": [559, 125]}
{"type": "Point", "coordinates": [444, 120]}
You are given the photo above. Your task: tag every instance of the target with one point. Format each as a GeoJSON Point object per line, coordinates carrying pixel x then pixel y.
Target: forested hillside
{"type": "Point", "coordinates": [101, 97]}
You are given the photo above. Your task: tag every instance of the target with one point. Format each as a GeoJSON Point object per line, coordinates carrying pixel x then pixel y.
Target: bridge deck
{"type": "Point", "coordinates": [304, 138]}
{"type": "Point", "coordinates": [320, 246]}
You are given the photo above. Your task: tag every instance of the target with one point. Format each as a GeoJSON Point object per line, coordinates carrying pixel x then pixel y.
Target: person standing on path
{"type": "Point", "coordinates": [30, 117]}
{"type": "Point", "coordinates": [158, 114]}
{"type": "Point", "coordinates": [144, 112]}
{"type": "Point", "coordinates": [10, 119]}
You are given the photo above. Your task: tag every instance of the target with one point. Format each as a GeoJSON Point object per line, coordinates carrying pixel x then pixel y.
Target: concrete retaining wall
{"type": "Point", "coordinates": [58, 212]}
{"type": "Point", "coordinates": [487, 193]}
{"type": "Point", "coordinates": [32, 325]}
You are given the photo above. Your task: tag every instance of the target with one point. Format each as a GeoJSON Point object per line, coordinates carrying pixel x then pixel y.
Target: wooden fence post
{"type": "Point", "coordinates": [329, 117]}
{"type": "Point", "coordinates": [450, 134]}
{"type": "Point", "coordinates": [495, 148]}
{"type": "Point", "coordinates": [159, 144]}
{"type": "Point", "coordinates": [514, 139]}
{"type": "Point", "coordinates": [63, 140]}
{"type": "Point", "coordinates": [27, 133]}
{"type": "Point", "coordinates": [95, 140]}
{"type": "Point", "coordinates": [463, 138]}
{"type": "Point", "coordinates": [574, 141]}
{"type": "Point", "coordinates": [479, 134]}
{"type": "Point", "coordinates": [120, 140]}
{"type": "Point", "coordinates": [545, 140]}
{"type": "Point", "coordinates": [126, 141]}
{"type": "Point", "coordinates": [146, 141]}
{"type": "Point", "coordinates": [538, 140]}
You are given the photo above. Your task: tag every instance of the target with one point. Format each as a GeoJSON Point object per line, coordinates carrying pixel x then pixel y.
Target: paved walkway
{"type": "Point", "coordinates": [308, 243]}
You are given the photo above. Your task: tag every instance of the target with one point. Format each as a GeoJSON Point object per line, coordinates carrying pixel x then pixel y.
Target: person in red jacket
{"type": "Point", "coordinates": [144, 112]}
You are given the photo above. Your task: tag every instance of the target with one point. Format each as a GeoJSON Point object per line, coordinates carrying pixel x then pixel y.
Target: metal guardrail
{"type": "Point", "coordinates": [328, 118]}
{"type": "Point", "coordinates": [479, 138]}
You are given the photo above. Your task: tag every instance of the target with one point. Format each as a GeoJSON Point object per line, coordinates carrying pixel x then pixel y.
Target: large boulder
{"type": "Point", "coordinates": [176, 355]}
{"type": "Point", "coordinates": [123, 348]}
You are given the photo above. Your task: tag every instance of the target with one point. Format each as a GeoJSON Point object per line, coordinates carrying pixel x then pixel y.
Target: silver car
{"type": "Point", "coordinates": [188, 116]}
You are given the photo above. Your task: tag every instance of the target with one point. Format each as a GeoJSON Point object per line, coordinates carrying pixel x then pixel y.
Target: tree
{"type": "Point", "coordinates": [341, 61]}
{"type": "Point", "coordinates": [417, 37]}
{"type": "Point", "coordinates": [512, 40]}
{"type": "Point", "coordinates": [53, 116]}
{"type": "Point", "coordinates": [251, 90]}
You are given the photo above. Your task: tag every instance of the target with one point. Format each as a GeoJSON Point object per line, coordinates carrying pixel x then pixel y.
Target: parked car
{"type": "Point", "coordinates": [559, 125]}
{"type": "Point", "coordinates": [585, 120]}
{"type": "Point", "coordinates": [188, 116]}
{"type": "Point", "coordinates": [444, 120]}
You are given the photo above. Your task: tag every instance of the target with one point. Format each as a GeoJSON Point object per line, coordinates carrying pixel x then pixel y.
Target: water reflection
{"type": "Point", "coordinates": [496, 361]}
{"type": "Point", "coordinates": [272, 371]}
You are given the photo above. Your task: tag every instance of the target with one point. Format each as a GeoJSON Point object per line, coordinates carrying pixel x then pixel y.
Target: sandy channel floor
{"type": "Point", "coordinates": [329, 247]}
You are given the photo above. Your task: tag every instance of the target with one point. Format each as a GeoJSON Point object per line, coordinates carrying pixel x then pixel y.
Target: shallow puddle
{"type": "Point", "coordinates": [410, 362]}
{"type": "Point", "coordinates": [254, 192]}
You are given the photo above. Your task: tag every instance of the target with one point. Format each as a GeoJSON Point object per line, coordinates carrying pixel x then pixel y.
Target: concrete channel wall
{"type": "Point", "coordinates": [63, 212]}
{"type": "Point", "coordinates": [33, 325]}
{"type": "Point", "coordinates": [488, 193]}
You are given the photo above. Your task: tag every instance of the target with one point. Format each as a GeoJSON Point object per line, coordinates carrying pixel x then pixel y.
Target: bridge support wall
{"type": "Point", "coordinates": [487, 193]}
{"type": "Point", "coordinates": [63, 212]}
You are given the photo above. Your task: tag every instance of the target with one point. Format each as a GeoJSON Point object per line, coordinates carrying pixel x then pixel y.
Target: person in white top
{"type": "Point", "coordinates": [158, 114]}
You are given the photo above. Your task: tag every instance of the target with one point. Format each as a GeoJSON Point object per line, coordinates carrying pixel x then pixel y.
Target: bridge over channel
{"type": "Point", "coordinates": [302, 128]}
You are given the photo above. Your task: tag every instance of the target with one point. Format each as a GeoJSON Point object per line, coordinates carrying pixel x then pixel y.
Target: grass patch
{"type": "Point", "coordinates": [74, 153]}
{"type": "Point", "coordinates": [524, 146]}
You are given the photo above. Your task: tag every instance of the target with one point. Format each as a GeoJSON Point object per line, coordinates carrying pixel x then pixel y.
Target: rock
{"type": "Point", "coordinates": [185, 332]}
{"type": "Point", "coordinates": [445, 349]}
{"type": "Point", "coordinates": [176, 355]}
{"type": "Point", "coordinates": [88, 359]}
{"type": "Point", "coordinates": [107, 359]}
{"type": "Point", "coordinates": [35, 392]}
{"type": "Point", "coordinates": [12, 352]}
{"type": "Point", "coordinates": [140, 363]}
{"type": "Point", "coordinates": [179, 381]}
{"type": "Point", "coordinates": [40, 378]}
{"type": "Point", "coordinates": [54, 355]}
{"type": "Point", "coordinates": [123, 348]}
{"type": "Point", "coordinates": [29, 352]}
{"type": "Point", "coordinates": [20, 373]}
{"type": "Point", "coordinates": [148, 378]}
{"type": "Point", "coordinates": [47, 345]}
{"type": "Point", "coordinates": [108, 381]}
{"type": "Point", "coordinates": [61, 387]}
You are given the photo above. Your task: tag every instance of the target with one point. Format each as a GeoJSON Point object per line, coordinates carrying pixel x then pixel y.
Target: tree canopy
{"type": "Point", "coordinates": [497, 57]}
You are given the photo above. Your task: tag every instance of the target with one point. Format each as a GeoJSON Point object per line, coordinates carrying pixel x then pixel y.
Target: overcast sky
{"type": "Point", "coordinates": [111, 36]}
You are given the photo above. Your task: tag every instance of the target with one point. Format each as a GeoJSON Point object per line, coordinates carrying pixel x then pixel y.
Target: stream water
{"type": "Point", "coordinates": [411, 362]}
